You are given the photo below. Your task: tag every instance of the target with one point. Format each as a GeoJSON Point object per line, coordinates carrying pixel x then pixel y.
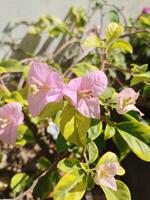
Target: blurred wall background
{"type": "Point", "coordinates": [12, 10]}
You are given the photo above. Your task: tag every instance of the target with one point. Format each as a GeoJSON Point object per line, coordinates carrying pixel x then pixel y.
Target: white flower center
{"type": "Point", "coordinates": [128, 101]}
{"type": "Point", "coordinates": [4, 123]}
{"type": "Point", "coordinates": [85, 94]}
{"type": "Point", "coordinates": [34, 88]}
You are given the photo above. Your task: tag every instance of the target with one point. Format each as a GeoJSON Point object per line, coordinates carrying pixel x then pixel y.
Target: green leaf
{"type": "Point", "coordinates": [121, 145]}
{"type": "Point", "coordinates": [19, 182]}
{"type": "Point", "coordinates": [145, 20]}
{"type": "Point", "coordinates": [92, 151]}
{"type": "Point", "coordinates": [4, 91]}
{"type": "Point", "coordinates": [122, 192]}
{"type": "Point", "coordinates": [16, 97]}
{"type": "Point", "coordinates": [95, 130]}
{"type": "Point", "coordinates": [80, 16]}
{"type": "Point", "coordinates": [114, 31]}
{"type": "Point", "coordinates": [123, 45]}
{"type": "Point", "coordinates": [93, 41]}
{"type": "Point", "coordinates": [141, 149]}
{"type": "Point", "coordinates": [144, 77]}
{"type": "Point", "coordinates": [108, 93]}
{"type": "Point", "coordinates": [84, 166]}
{"type": "Point", "coordinates": [136, 129]}
{"type": "Point", "coordinates": [67, 164]}
{"type": "Point", "coordinates": [51, 110]}
{"type": "Point", "coordinates": [90, 182]}
{"type": "Point", "coordinates": [61, 144]}
{"type": "Point", "coordinates": [12, 65]}
{"type": "Point", "coordinates": [113, 15]}
{"type": "Point", "coordinates": [45, 185]}
{"type": "Point", "coordinates": [74, 126]}
{"type": "Point", "coordinates": [72, 186]}
{"type": "Point", "coordinates": [81, 69]}
{"type": "Point", "coordinates": [137, 136]}
{"type": "Point", "coordinates": [109, 132]}
{"type": "Point", "coordinates": [2, 70]}
{"type": "Point", "coordinates": [110, 157]}
{"type": "Point", "coordinates": [25, 135]}
{"type": "Point", "coordinates": [34, 30]}
{"type": "Point", "coordinates": [43, 163]}
{"type": "Point", "coordinates": [139, 68]}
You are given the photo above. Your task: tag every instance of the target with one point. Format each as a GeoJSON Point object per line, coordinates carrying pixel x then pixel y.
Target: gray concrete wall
{"type": "Point", "coordinates": [31, 10]}
{"type": "Point", "coordinates": [11, 10]}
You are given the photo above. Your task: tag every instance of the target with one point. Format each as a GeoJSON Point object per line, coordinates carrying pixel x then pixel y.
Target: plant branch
{"type": "Point", "coordinates": [58, 51]}
{"type": "Point", "coordinates": [41, 143]}
{"type": "Point", "coordinates": [77, 60]}
{"type": "Point", "coordinates": [135, 32]}
{"type": "Point", "coordinates": [51, 168]}
{"type": "Point", "coordinates": [108, 65]}
{"type": "Point", "coordinates": [118, 10]}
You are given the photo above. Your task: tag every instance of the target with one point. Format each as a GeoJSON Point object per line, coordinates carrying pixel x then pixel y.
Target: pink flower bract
{"type": "Point", "coordinates": [45, 86]}
{"type": "Point", "coordinates": [84, 92]}
{"type": "Point", "coordinates": [10, 117]}
{"type": "Point", "coordinates": [125, 101]}
{"type": "Point", "coordinates": [146, 10]}
{"type": "Point", "coordinates": [105, 175]}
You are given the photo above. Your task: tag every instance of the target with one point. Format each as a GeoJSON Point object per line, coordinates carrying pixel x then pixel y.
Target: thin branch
{"type": "Point", "coordinates": [41, 143]}
{"type": "Point", "coordinates": [108, 65]}
{"type": "Point", "coordinates": [51, 168]}
{"type": "Point", "coordinates": [119, 11]}
{"type": "Point", "coordinates": [77, 60]}
{"type": "Point", "coordinates": [55, 54]}
{"type": "Point", "coordinates": [135, 32]}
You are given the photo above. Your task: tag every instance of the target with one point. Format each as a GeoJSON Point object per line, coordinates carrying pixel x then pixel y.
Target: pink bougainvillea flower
{"type": "Point", "coordinates": [45, 86]}
{"type": "Point", "coordinates": [84, 92]}
{"type": "Point", "coordinates": [146, 10]}
{"type": "Point", "coordinates": [10, 117]}
{"type": "Point", "coordinates": [125, 101]}
{"type": "Point", "coordinates": [105, 175]}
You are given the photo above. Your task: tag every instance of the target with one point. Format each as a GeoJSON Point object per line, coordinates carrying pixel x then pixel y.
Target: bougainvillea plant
{"type": "Point", "coordinates": [64, 106]}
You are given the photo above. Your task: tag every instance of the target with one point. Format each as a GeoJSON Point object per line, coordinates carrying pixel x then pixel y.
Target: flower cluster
{"type": "Point", "coordinates": [125, 101]}
{"type": "Point", "coordinates": [146, 10]}
{"type": "Point", "coordinates": [10, 117]}
{"type": "Point", "coordinates": [105, 175]}
{"type": "Point", "coordinates": [46, 85]}
{"type": "Point", "coordinates": [84, 92]}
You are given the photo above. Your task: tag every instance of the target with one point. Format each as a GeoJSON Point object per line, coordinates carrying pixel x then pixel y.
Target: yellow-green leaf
{"type": "Point", "coordinates": [95, 130]}
{"type": "Point", "coordinates": [93, 41]}
{"type": "Point", "coordinates": [4, 91]}
{"type": "Point", "coordinates": [74, 126]}
{"type": "Point", "coordinates": [109, 132]}
{"type": "Point", "coordinates": [81, 69]}
{"type": "Point", "coordinates": [18, 182]}
{"type": "Point", "coordinates": [141, 149]}
{"type": "Point", "coordinates": [145, 20]}
{"type": "Point", "coordinates": [2, 70]}
{"type": "Point", "coordinates": [16, 96]}
{"type": "Point", "coordinates": [123, 45]}
{"type": "Point", "coordinates": [12, 65]}
{"type": "Point", "coordinates": [72, 186]}
{"type": "Point", "coordinates": [144, 77]}
{"type": "Point", "coordinates": [51, 110]}
{"type": "Point", "coordinates": [114, 31]}
{"type": "Point", "coordinates": [92, 151]}
{"type": "Point", "coordinates": [67, 164]}
{"type": "Point", "coordinates": [136, 129]}
{"type": "Point", "coordinates": [122, 192]}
